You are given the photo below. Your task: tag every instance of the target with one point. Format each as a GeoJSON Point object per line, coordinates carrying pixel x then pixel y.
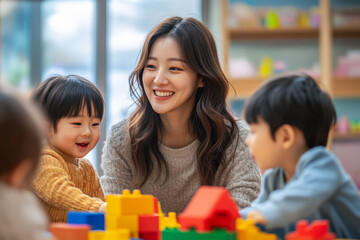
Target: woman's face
{"type": "Point", "coordinates": [169, 83]}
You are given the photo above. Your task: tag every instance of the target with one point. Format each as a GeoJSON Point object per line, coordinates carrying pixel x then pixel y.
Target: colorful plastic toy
{"type": "Point", "coordinates": [210, 208]}
{"type": "Point", "coordinates": [317, 230]}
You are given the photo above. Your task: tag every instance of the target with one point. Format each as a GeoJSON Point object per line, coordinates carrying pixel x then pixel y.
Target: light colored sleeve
{"type": "Point", "coordinates": [263, 196]}
{"type": "Point", "coordinates": [241, 176]}
{"type": "Point", "coordinates": [117, 172]}
{"type": "Point", "coordinates": [53, 185]}
{"type": "Point", "coordinates": [305, 194]}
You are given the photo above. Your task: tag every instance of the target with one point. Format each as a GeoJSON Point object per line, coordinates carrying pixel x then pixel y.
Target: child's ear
{"type": "Point", "coordinates": [287, 136]}
{"type": "Point", "coordinates": [19, 175]}
{"type": "Point", "coordinates": [50, 129]}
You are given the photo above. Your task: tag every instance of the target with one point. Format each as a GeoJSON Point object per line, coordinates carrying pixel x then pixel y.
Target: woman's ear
{"type": "Point", "coordinates": [200, 83]}
{"type": "Point", "coordinates": [19, 175]}
{"type": "Point", "coordinates": [286, 135]}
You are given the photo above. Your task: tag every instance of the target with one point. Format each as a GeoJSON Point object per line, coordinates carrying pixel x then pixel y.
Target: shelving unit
{"type": "Point", "coordinates": [336, 86]}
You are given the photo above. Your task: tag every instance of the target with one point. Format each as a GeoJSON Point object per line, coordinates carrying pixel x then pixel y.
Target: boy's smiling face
{"type": "Point", "coordinates": [265, 150]}
{"type": "Point", "coordinates": [75, 136]}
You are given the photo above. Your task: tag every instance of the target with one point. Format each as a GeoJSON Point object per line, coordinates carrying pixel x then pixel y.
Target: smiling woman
{"type": "Point", "coordinates": [181, 135]}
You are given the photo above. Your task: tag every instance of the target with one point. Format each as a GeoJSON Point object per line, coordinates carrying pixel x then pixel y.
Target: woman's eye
{"type": "Point", "coordinates": [175, 69]}
{"type": "Point", "coordinates": [150, 66]}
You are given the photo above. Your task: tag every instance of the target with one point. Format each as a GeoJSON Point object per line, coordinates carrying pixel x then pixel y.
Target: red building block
{"type": "Point", "coordinates": [149, 223]}
{"type": "Point", "coordinates": [64, 231]}
{"type": "Point", "coordinates": [318, 230]}
{"type": "Point", "coordinates": [150, 236]}
{"type": "Point", "coordinates": [210, 208]}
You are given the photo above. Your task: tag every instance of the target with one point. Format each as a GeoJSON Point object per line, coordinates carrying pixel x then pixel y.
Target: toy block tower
{"type": "Point", "coordinates": [210, 208]}
{"type": "Point", "coordinates": [136, 212]}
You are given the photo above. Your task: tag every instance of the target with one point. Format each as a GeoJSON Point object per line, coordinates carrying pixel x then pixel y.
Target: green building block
{"type": "Point", "coordinates": [217, 234]}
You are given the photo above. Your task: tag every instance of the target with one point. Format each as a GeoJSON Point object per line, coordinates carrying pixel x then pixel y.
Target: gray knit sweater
{"type": "Point", "coordinates": [240, 176]}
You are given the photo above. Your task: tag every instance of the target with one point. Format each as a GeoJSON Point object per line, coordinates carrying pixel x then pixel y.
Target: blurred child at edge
{"type": "Point", "coordinates": [290, 118]}
{"type": "Point", "coordinates": [65, 180]}
{"type": "Point", "coordinates": [21, 216]}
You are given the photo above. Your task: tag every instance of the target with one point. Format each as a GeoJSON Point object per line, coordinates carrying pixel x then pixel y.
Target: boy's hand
{"type": "Point", "coordinates": [257, 217]}
{"type": "Point", "coordinates": [103, 207]}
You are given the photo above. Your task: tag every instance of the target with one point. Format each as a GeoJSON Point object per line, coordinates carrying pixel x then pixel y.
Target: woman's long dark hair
{"type": "Point", "coordinates": [210, 119]}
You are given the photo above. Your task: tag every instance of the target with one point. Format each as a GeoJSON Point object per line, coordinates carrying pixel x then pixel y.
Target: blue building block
{"type": "Point", "coordinates": [96, 220]}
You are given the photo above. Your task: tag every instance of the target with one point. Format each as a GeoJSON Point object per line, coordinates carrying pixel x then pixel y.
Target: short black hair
{"type": "Point", "coordinates": [296, 100]}
{"type": "Point", "coordinates": [65, 96]}
{"type": "Point", "coordinates": [21, 133]}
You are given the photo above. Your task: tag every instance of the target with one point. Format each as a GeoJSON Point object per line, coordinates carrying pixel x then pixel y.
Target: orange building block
{"type": "Point", "coordinates": [210, 208]}
{"type": "Point", "coordinates": [64, 231]}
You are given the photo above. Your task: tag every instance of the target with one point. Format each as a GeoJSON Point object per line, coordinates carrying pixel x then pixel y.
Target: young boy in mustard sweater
{"type": "Point", "coordinates": [65, 180]}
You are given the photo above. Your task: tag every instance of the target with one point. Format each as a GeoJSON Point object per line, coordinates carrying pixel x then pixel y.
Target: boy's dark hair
{"type": "Point", "coordinates": [20, 133]}
{"type": "Point", "coordinates": [296, 100]}
{"type": "Point", "coordinates": [65, 96]}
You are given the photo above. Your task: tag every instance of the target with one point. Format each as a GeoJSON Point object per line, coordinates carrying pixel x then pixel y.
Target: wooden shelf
{"type": "Point", "coordinates": [347, 32]}
{"type": "Point", "coordinates": [343, 86]}
{"type": "Point", "coordinates": [262, 33]}
{"type": "Point", "coordinates": [346, 136]}
{"type": "Point", "coordinates": [346, 86]}
{"type": "Point", "coordinates": [244, 87]}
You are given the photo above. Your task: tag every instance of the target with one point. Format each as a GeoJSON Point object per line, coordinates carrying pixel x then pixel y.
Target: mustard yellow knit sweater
{"type": "Point", "coordinates": [63, 186]}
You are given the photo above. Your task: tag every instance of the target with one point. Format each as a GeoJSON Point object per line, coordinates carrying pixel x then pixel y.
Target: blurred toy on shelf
{"type": "Point", "coordinates": [272, 20]}
{"type": "Point", "coordinates": [266, 66]}
{"type": "Point", "coordinates": [242, 68]}
{"type": "Point", "coordinates": [288, 17]}
{"type": "Point", "coordinates": [346, 17]}
{"type": "Point", "coordinates": [242, 15]}
{"type": "Point", "coordinates": [348, 65]}
{"type": "Point", "coordinates": [343, 125]}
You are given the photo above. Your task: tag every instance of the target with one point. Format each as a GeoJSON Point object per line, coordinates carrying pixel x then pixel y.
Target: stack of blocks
{"type": "Point", "coordinates": [211, 214]}
{"type": "Point", "coordinates": [136, 212]}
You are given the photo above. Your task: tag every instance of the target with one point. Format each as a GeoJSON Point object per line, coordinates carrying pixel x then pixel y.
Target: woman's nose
{"type": "Point", "coordinates": [161, 78]}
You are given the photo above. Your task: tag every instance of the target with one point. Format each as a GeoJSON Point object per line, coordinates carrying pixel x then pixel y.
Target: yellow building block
{"type": "Point", "coordinates": [130, 204]}
{"type": "Point", "coordinates": [130, 222]}
{"type": "Point", "coordinates": [119, 234]}
{"type": "Point", "coordinates": [246, 230]}
{"type": "Point", "coordinates": [171, 221]}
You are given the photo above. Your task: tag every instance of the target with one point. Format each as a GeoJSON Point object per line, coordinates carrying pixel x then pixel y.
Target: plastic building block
{"type": "Point", "coordinates": [64, 231]}
{"type": "Point", "coordinates": [210, 208]}
{"type": "Point", "coordinates": [317, 230]}
{"type": "Point", "coordinates": [130, 222]}
{"type": "Point", "coordinates": [217, 234]}
{"type": "Point", "coordinates": [119, 234]}
{"type": "Point", "coordinates": [149, 223]}
{"type": "Point", "coordinates": [246, 230]}
{"type": "Point", "coordinates": [96, 220]}
{"type": "Point", "coordinates": [130, 204]}
{"type": "Point", "coordinates": [171, 221]}
{"type": "Point", "coordinates": [150, 236]}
